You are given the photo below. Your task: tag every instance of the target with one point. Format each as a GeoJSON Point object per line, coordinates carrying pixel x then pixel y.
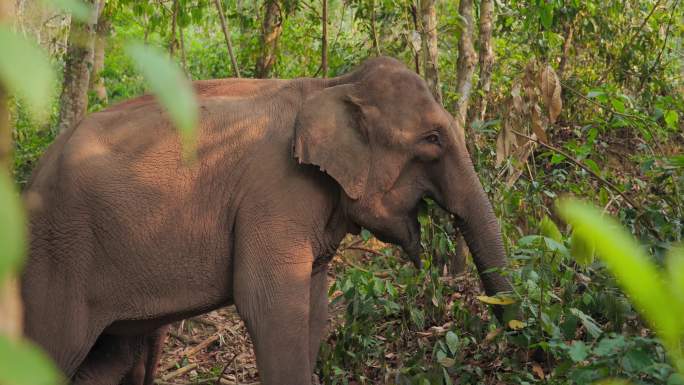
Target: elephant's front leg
{"type": "Point", "coordinates": [272, 286]}
{"type": "Point", "coordinates": [318, 317]}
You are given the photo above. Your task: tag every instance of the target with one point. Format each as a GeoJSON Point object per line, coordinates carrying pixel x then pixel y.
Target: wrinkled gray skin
{"type": "Point", "coordinates": [126, 237]}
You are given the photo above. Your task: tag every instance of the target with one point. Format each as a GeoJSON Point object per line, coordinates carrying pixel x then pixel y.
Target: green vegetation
{"type": "Point", "coordinates": [585, 99]}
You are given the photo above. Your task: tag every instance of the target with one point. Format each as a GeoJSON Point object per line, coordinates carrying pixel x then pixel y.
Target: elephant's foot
{"type": "Point", "coordinates": [110, 359]}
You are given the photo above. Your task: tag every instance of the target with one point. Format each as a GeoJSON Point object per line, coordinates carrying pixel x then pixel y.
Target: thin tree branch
{"type": "Point", "coordinates": [642, 218]}
{"type": "Point", "coordinates": [584, 167]}
{"type": "Point", "coordinates": [594, 102]}
{"type": "Point", "coordinates": [662, 49]}
{"type": "Point", "coordinates": [226, 34]}
{"type": "Point", "coordinates": [629, 42]}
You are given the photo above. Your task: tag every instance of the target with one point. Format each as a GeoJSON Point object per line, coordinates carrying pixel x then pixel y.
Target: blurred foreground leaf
{"type": "Point", "coordinates": [25, 71]}
{"type": "Point", "coordinates": [582, 250]}
{"type": "Point", "coordinates": [12, 228]}
{"type": "Point", "coordinates": [675, 264]}
{"type": "Point", "coordinates": [549, 229]}
{"type": "Point", "coordinates": [635, 272]}
{"type": "Point", "coordinates": [173, 91]}
{"type": "Point", "coordinates": [21, 363]}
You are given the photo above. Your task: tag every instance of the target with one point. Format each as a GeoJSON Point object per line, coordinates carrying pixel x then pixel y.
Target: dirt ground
{"type": "Point", "coordinates": [214, 348]}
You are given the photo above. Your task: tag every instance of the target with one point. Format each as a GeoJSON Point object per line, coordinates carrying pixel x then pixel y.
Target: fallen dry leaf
{"type": "Point", "coordinates": [537, 369]}
{"type": "Point", "coordinates": [515, 324]}
{"type": "Point", "coordinates": [495, 300]}
{"type": "Point", "coordinates": [551, 92]}
{"type": "Point", "coordinates": [493, 334]}
{"type": "Point", "coordinates": [537, 124]}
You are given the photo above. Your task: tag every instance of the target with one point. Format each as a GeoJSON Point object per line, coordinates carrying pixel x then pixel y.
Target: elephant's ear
{"type": "Point", "coordinates": [330, 134]}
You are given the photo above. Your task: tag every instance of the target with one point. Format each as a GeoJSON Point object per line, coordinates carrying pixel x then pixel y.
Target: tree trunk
{"type": "Point", "coordinates": [97, 85]}
{"type": "Point", "coordinates": [271, 29]}
{"type": "Point", "coordinates": [374, 31]}
{"type": "Point", "coordinates": [173, 39]}
{"type": "Point", "coordinates": [430, 52]}
{"type": "Point", "coordinates": [79, 61]}
{"type": "Point", "coordinates": [486, 56]}
{"type": "Point", "coordinates": [567, 43]}
{"type": "Point", "coordinates": [226, 35]}
{"type": "Point", "coordinates": [184, 60]}
{"type": "Point", "coordinates": [147, 26]}
{"type": "Point", "coordinates": [464, 83]}
{"type": "Point", "coordinates": [324, 40]}
{"type": "Point", "coordinates": [465, 64]}
{"type": "Point", "coordinates": [416, 52]}
{"type": "Point", "coordinates": [11, 309]}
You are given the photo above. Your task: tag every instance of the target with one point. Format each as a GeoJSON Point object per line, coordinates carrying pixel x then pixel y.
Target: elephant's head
{"type": "Point", "coordinates": [382, 136]}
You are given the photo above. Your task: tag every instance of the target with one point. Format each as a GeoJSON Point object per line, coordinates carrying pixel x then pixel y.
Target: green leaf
{"type": "Point", "coordinates": [557, 158]}
{"type": "Point", "coordinates": [618, 105]}
{"type": "Point", "coordinates": [608, 346]}
{"type": "Point", "coordinates": [636, 360]}
{"type": "Point", "coordinates": [173, 91]}
{"type": "Point", "coordinates": [12, 228]}
{"type": "Point", "coordinates": [671, 118]}
{"type": "Point", "coordinates": [552, 245]}
{"type": "Point", "coordinates": [592, 328]}
{"type": "Point", "coordinates": [25, 71]}
{"type": "Point", "coordinates": [625, 258]}
{"type": "Point", "coordinates": [447, 362]}
{"type": "Point", "coordinates": [578, 351]}
{"type": "Point", "coordinates": [613, 382]}
{"type": "Point", "coordinates": [21, 363]}
{"type": "Point", "coordinates": [77, 8]}
{"type": "Point", "coordinates": [595, 93]}
{"type": "Point", "coordinates": [546, 15]}
{"type": "Point", "coordinates": [418, 318]}
{"type": "Point", "coordinates": [366, 235]}
{"type": "Point", "coordinates": [549, 229]}
{"type": "Point", "coordinates": [582, 250]}
{"type": "Point", "coordinates": [676, 379]}
{"type": "Point", "coordinates": [675, 267]}
{"type": "Point", "coordinates": [593, 166]}
{"type": "Point", "coordinates": [676, 161]}
{"type": "Point", "coordinates": [452, 341]}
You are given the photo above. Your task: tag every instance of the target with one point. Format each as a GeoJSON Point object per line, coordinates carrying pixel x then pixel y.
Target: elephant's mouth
{"type": "Point", "coordinates": [400, 227]}
{"type": "Point", "coordinates": [412, 246]}
{"type": "Point", "coordinates": [410, 242]}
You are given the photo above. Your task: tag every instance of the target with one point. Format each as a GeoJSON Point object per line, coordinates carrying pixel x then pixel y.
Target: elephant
{"type": "Point", "coordinates": [128, 235]}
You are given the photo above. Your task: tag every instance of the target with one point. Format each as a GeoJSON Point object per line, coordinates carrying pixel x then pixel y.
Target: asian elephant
{"type": "Point", "coordinates": [127, 235]}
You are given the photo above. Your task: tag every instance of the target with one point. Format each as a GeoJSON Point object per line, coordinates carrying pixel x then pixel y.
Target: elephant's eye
{"type": "Point", "coordinates": [432, 138]}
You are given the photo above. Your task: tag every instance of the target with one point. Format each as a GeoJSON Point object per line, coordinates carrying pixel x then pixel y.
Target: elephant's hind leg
{"type": "Point", "coordinates": [110, 359]}
{"type": "Point", "coordinates": [145, 368]}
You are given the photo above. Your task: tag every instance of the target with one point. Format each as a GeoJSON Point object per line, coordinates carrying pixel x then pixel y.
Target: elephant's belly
{"type": "Point", "coordinates": [169, 292]}
{"type": "Point", "coordinates": [146, 326]}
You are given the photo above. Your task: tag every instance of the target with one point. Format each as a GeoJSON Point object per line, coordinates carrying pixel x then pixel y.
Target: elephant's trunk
{"type": "Point", "coordinates": [464, 197]}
